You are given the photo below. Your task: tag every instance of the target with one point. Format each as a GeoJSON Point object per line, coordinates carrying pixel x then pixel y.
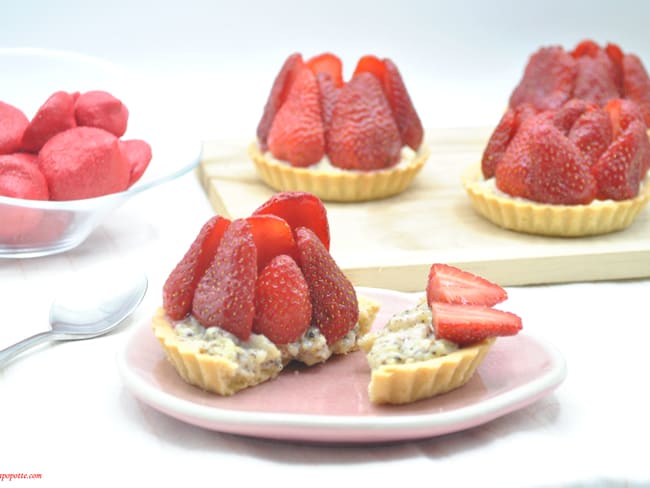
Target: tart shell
{"type": "Point", "coordinates": [342, 186]}
{"type": "Point", "coordinates": [599, 217]}
{"type": "Point", "coordinates": [406, 383]}
{"type": "Point", "coordinates": [219, 375]}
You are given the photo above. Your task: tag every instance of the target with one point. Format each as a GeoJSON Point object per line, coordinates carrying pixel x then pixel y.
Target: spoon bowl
{"type": "Point", "coordinates": [83, 312]}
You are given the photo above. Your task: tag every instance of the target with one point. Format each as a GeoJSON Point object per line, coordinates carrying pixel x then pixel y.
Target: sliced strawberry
{"type": "Point", "coordinates": [371, 64]}
{"type": "Point", "coordinates": [502, 135]}
{"type": "Point", "coordinates": [278, 95]}
{"type": "Point", "coordinates": [297, 134]}
{"type": "Point", "coordinates": [468, 324]}
{"type": "Point", "coordinates": [225, 295]}
{"type": "Point", "coordinates": [299, 209]}
{"type": "Point", "coordinates": [636, 84]}
{"type": "Point", "coordinates": [407, 119]}
{"type": "Point", "coordinates": [561, 173]}
{"type": "Point", "coordinates": [330, 64]}
{"type": "Point", "coordinates": [595, 81]}
{"type": "Point", "coordinates": [180, 286]}
{"type": "Point", "coordinates": [619, 170]}
{"type": "Point", "coordinates": [586, 48]}
{"type": "Point", "coordinates": [335, 309]}
{"type": "Point", "coordinates": [54, 116]}
{"type": "Point", "coordinates": [621, 113]}
{"type": "Point", "coordinates": [282, 302]}
{"type": "Point", "coordinates": [592, 133]}
{"type": "Point", "coordinates": [548, 79]}
{"type": "Point", "coordinates": [272, 236]}
{"type": "Point", "coordinates": [449, 284]}
{"type": "Point", "coordinates": [363, 134]}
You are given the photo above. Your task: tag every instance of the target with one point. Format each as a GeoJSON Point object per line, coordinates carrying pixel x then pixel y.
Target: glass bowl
{"type": "Point", "coordinates": [29, 77]}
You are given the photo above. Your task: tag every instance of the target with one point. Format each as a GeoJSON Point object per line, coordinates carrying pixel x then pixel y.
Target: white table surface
{"type": "Point", "coordinates": [66, 415]}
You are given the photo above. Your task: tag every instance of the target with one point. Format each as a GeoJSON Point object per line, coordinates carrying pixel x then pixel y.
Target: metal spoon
{"type": "Point", "coordinates": [86, 311]}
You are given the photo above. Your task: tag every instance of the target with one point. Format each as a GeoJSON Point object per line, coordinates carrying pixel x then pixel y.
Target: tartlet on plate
{"type": "Point", "coordinates": [342, 141]}
{"type": "Point", "coordinates": [252, 294]}
{"type": "Point", "coordinates": [437, 346]}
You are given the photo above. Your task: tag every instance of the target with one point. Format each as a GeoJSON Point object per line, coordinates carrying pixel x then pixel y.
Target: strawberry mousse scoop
{"type": "Point", "coordinates": [13, 123]}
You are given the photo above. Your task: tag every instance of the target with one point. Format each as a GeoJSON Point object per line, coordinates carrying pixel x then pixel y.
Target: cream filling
{"type": "Point", "coordinates": [258, 352]}
{"type": "Point", "coordinates": [407, 156]}
{"type": "Point", "coordinates": [408, 337]}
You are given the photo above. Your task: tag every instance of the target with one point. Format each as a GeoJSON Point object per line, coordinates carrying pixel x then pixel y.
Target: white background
{"type": "Point", "coordinates": [460, 59]}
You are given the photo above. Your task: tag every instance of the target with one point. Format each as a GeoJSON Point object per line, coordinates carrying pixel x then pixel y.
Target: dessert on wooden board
{"type": "Point", "coordinates": [354, 140]}
{"type": "Point", "coordinates": [570, 156]}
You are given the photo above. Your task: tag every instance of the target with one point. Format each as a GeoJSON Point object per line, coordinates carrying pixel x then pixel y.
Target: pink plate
{"type": "Point", "coordinates": [329, 403]}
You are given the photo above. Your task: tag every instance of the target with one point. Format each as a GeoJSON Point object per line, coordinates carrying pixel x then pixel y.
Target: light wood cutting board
{"type": "Point", "coordinates": [392, 243]}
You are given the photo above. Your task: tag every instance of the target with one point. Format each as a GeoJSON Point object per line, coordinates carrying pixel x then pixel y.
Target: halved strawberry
{"type": "Point", "coordinates": [335, 309]}
{"type": "Point", "coordinates": [299, 209]}
{"type": "Point", "coordinates": [407, 120]}
{"type": "Point", "coordinates": [297, 134]}
{"type": "Point", "coordinates": [449, 284]}
{"type": "Point", "coordinates": [225, 295]}
{"type": "Point", "coordinates": [278, 95]}
{"type": "Point", "coordinates": [567, 114]}
{"type": "Point", "coordinates": [179, 287]}
{"type": "Point", "coordinates": [586, 48]}
{"type": "Point", "coordinates": [282, 302]}
{"type": "Point", "coordinates": [615, 54]}
{"type": "Point", "coordinates": [621, 114]}
{"type": "Point", "coordinates": [363, 134]}
{"type": "Point", "coordinates": [513, 171]}
{"type": "Point", "coordinates": [636, 84]}
{"type": "Point", "coordinates": [620, 169]}
{"type": "Point", "coordinates": [329, 94]}
{"type": "Point", "coordinates": [548, 79]}
{"type": "Point", "coordinates": [272, 236]}
{"type": "Point", "coordinates": [468, 324]}
{"type": "Point", "coordinates": [327, 63]}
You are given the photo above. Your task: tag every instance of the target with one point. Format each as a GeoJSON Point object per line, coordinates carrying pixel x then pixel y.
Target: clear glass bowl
{"type": "Point", "coordinates": [29, 77]}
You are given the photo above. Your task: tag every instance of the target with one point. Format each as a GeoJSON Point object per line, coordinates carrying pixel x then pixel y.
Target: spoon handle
{"type": "Point", "coordinates": [10, 352]}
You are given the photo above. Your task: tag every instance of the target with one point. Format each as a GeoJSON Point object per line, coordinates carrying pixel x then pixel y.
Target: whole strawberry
{"type": "Point", "coordinates": [297, 133]}
{"type": "Point", "coordinates": [282, 302]}
{"type": "Point", "coordinates": [225, 294]}
{"type": "Point", "coordinates": [363, 134]}
{"type": "Point", "coordinates": [335, 309]}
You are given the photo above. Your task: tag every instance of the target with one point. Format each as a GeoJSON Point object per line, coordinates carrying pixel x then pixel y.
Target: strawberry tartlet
{"type": "Point", "coordinates": [570, 156]}
{"type": "Point", "coordinates": [342, 141]}
{"type": "Point", "coordinates": [437, 346]}
{"type": "Point", "coordinates": [253, 294]}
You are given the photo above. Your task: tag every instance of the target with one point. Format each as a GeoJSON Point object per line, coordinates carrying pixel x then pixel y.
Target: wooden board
{"type": "Point", "coordinates": [391, 243]}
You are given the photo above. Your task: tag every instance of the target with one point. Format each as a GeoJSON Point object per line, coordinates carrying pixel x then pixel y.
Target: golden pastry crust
{"type": "Point", "coordinates": [409, 382]}
{"type": "Point", "coordinates": [217, 373]}
{"type": "Point", "coordinates": [342, 186]}
{"type": "Point", "coordinates": [599, 217]}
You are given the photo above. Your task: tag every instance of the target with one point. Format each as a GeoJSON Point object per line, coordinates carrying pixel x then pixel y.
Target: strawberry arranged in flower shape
{"type": "Point", "coordinates": [270, 273]}
{"type": "Point", "coordinates": [359, 124]}
{"type": "Point", "coordinates": [461, 306]}
{"type": "Point", "coordinates": [571, 155]}
{"type": "Point", "coordinates": [589, 72]}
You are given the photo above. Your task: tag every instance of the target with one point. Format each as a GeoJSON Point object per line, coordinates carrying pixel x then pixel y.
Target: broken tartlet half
{"type": "Point", "coordinates": [253, 294]}
{"type": "Point", "coordinates": [437, 345]}
{"type": "Point", "coordinates": [345, 141]}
